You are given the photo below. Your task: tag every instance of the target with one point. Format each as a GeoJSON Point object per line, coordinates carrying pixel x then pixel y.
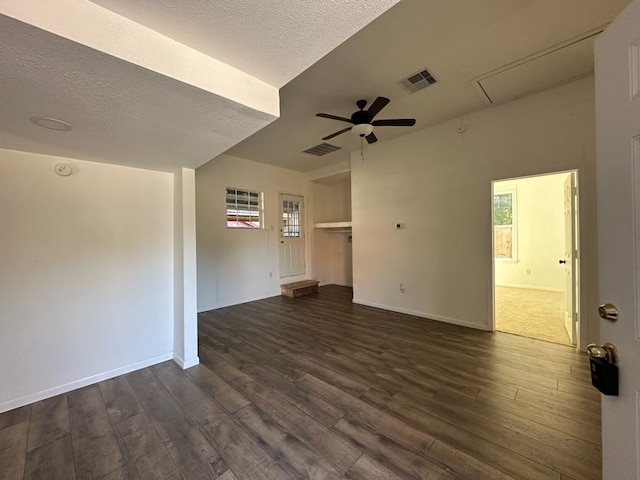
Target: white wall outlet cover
{"type": "Point", "coordinates": [62, 169]}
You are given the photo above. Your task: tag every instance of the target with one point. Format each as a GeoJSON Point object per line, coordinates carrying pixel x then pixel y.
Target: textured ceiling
{"type": "Point", "coordinates": [271, 40]}
{"type": "Point", "coordinates": [139, 97]}
{"type": "Point", "coordinates": [121, 113]}
{"type": "Point", "coordinates": [457, 43]}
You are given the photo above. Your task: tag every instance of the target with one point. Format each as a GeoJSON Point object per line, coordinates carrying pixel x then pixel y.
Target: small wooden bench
{"type": "Point", "coordinates": [298, 289]}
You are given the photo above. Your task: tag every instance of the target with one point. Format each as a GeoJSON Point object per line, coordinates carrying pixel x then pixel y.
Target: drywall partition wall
{"type": "Point", "coordinates": [87, 274]}
{"type": "Point", "coordinates": [240, 265]}
{"type": "Point", "coordinates": [436, 182]}
{"type": "Point", "coordinates": [539, 225]}
{"type": "Point", "coordinates": [331, 250]}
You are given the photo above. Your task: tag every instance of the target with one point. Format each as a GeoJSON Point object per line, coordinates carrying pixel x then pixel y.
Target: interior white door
{"type": "Point", "coordinates": [291, 251]}
{"type": "Point", "coordinates": [618, 176]}
{"type": "Point", "coordinates": [570, 258]}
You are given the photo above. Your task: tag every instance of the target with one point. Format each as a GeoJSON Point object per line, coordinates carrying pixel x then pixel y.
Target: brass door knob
{"type": "Point", "coordinates": [608, 311]}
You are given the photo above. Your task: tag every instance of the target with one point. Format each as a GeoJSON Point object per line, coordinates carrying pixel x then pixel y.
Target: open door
{"type": "Point", "coordinates": [291, 252]}
{"type": "Point", "coordinates": [618, 176]}
{"type": "Point", "coordinates": [570, 259]}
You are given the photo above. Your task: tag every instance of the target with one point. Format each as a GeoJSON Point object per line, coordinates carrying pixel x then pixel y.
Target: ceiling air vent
{"type": "Point", "coordinates": [417, 81]}
{"type": "Point", "coordinates": [322, 149]}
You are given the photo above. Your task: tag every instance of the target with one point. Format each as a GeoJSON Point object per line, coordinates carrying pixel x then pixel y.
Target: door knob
{"type": "Point", "coordinates": [562, 261]}
{"type": "Point", "coordinates": [608, 311]}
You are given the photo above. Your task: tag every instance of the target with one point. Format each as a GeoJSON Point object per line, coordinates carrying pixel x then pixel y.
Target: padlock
{"type": "Point", "coordinates": [604, 371]}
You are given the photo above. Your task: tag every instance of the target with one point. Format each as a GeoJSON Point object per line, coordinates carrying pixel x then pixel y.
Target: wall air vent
{"type": "Point", "coordinates": [322, 149]}
{"type": "Point", "coordinates": [417, 81]}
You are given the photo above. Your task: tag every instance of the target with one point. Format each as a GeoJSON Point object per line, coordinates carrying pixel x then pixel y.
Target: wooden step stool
{"type": "Point", "coordinates": [298, 289]}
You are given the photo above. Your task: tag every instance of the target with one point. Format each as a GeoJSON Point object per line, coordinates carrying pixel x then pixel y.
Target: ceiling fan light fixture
{"type": "Point", "coordinates": [362, 130]}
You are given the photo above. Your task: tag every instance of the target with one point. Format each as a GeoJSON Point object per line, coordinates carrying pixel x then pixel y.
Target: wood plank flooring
{"type": "Point", "coordinates": [319, 388]}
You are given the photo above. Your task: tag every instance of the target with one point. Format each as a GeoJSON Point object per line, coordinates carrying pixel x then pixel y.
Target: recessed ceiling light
{"type": "Point", "coordinates": [51, 123]}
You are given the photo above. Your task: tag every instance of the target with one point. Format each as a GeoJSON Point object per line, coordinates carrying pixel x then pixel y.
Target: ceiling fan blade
{"type": "Point", "coordinates": [394, 122]}
{"type": "Point", "coordinates": [371, 138]}
{"type": "Point", "coordinates": [333, 117]}
{"type": "Point", "coordinates": [328, 137]}
{"type": "Point", "coordinates": [377, 105]}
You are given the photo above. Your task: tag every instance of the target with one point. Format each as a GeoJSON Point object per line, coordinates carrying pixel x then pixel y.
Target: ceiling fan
{"type": "Point", "coordinates": [363, 121]}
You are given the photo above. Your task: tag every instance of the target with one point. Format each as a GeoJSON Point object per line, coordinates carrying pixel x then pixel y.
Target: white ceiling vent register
{"type": "Point", "coordinates": [417, 81]}
{"type": "Point", "coordinates": [561, 63]}
{"type": "Point", "coordinates": [321, 149]}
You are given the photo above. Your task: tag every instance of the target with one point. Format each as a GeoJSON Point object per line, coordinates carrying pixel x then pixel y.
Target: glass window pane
{"type": "Point", "coordinates": [503, 209]}
{"type": "Point", "coordinates": [244, 209]}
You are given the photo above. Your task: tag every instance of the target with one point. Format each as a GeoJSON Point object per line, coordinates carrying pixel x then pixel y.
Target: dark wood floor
{"type": "Point", "coordinates": [318, 388]}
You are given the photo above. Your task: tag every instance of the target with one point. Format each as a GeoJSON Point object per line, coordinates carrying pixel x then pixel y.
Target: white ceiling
{"type": "Point", "coordinates": [137, 97]}
{"type": "Point", "coordinates": [271, 40]}
{"type": "Point", "coordinates": [457, 41]}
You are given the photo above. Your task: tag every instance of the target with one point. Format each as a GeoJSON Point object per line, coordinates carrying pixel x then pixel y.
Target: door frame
{"type": "Point", "coordinates": [304, 235]}
{"type": "Point", "coordinates": [578, 288]}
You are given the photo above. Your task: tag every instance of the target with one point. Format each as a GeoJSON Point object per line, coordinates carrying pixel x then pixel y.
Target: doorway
{"type": "Point", "coordinates": [291, 251]}
{"type": "Point", "coordinates": [535, 257]}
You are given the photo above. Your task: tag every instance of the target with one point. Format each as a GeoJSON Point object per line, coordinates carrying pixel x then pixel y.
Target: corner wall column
{"type": "Point", "coordinates": [185, 333]}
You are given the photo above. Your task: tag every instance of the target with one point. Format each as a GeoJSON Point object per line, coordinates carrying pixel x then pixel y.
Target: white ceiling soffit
{"type": "Point", "coordinates": [96, 27]}
{"type": "Point", "coordinates": [121, 113]}
{"type": "Point", "coordinates": [548, 68]}
{"type": "Point", "coordinates": [272, 40]}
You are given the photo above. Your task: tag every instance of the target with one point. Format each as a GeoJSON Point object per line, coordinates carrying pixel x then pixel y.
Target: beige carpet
{"type": "Point", "coordinates": [531, 313]}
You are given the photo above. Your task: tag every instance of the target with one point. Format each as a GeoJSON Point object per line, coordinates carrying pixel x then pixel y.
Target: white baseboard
{"type": "Point", "coordinates": [430, 316]}
{"type": "Point", "coordinates": [275, 293]}
{"type": "Point", "coordinates": [83, 382]}
{"type": "Point", "coordinates": [530, 287]}
{"type": "Point", "coordinates": [186, 364]}
{"type": "Point", "coordinates": [324, 284]}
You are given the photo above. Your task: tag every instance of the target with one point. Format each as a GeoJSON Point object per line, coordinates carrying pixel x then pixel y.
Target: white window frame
{"type": "Point", "coordinates": [502, 190]}
{"type": "Point", "coordinates": [249, 209]}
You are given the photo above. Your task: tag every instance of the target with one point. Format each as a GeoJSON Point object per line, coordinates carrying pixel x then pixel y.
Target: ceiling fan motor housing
{"type": "Point", "coordinates": [361, 116]}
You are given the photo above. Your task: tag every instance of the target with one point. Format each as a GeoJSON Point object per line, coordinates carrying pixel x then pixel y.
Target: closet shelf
{"type": "Point", "coordinates": [334, 226]}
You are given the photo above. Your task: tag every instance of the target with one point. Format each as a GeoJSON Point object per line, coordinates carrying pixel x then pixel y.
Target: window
{"type": "Point", "coordinates": [503, 225]}
{"type": "Point", "coordinates": [244, 208]}
{"type": "Point", "coordinates": [290, 218]}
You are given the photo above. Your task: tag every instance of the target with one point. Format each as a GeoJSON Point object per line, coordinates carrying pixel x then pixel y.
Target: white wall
{"type": "Point", "coordinates": [240, 265]}
{"type": "Point", "coordinates": [539, 216]}
{"type": "Point", "coordinates": [331, 250]}
{"type": "Point", "coordinates": [438, 183]}
{"type": "Point", "coordinates": [332, 202]}
{"type": "Point", "coordinates": [87, 274]}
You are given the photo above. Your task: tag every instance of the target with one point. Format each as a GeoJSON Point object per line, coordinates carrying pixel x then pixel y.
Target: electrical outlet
{"type": "Point", "coordinates": [528, 271]}
{"type": "Point", "coordinates": [270, 274]}
{"type": "Point", "coordinates": [401, 287]}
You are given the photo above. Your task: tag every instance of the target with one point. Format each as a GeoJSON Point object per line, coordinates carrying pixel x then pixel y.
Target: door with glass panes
{"type": "Point", "coordinates": [291, 251]}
